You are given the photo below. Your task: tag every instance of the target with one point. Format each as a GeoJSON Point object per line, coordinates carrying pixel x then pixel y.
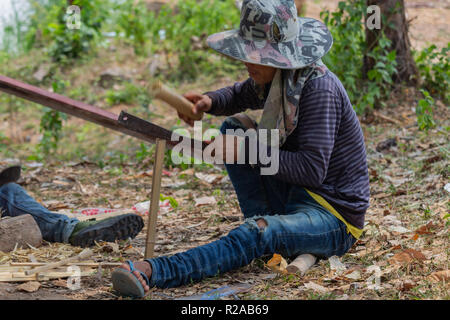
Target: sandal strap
{"type": "Point", "coordinates": [132, 268]}
{"type": "Point", "coordinates": [131, 265]}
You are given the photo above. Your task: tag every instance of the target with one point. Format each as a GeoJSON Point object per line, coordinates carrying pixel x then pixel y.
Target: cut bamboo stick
{"type": "Point", "coordinates": [80, 264]}
{"type": "Point", "coordinates": [175, 100]}
{"type": "Point", "coordinates": [83, 255]}
{"type": "Point", "coordinates": [44, 276]}
{"type": "Point", "coordinates": [301, 264]}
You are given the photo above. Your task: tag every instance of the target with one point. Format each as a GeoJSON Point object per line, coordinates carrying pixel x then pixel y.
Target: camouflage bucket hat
{"type": "Point", "coordinates": [271, 34]}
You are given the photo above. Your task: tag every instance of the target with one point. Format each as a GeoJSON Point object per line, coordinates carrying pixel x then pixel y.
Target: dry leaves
{"type": "Point", "coordinates": [204, 201]}
{"type": "Point", "coordinates": [439, 276]}
{"type": "Point", "coordinates": [426, 229]}
{"type": "Point", "coordinates": [277, 263]}
{"type": "Point", "coordinates": [407, 256]}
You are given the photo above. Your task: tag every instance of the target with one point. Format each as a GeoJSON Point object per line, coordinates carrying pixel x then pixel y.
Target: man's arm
{"type": "Point", "coordinates": [319, 118]}
{"type": "Point", "coordinates": [234, 99]}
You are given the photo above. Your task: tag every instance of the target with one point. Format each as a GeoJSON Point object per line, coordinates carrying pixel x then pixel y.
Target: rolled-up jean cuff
{"type": "Point", "coordinates": [154, 277]}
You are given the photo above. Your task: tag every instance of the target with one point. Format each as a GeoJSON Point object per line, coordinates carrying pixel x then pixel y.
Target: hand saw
{"type": "Point", "coordinates": [125, 123]}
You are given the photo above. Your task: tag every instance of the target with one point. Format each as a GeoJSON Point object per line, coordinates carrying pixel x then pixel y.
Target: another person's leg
{"type": "Point", "coordinates": [15, 201]}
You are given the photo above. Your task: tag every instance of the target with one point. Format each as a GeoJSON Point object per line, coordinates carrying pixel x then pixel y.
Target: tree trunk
{"type": "Point", "coordinates": [395, 27]}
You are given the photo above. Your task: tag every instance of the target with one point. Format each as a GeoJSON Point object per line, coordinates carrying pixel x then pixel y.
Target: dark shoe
{"type": "Point", "coordinates": [116, 228]}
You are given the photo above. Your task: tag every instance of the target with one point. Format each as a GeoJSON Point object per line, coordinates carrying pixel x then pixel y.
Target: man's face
{"type": "Point", "coordinates": [260, 74]}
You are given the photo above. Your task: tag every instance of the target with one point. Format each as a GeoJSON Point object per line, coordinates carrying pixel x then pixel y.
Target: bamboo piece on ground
{"type": "Point", "coordinates": [180, 103]}
{"type": "Point", "coordinates": [154, 201]}
{"type": "Point", "coordinates": [301, 264]}
{"type": "Point", "coordinates": [83, 255]}
{"type": "Point", "coordinates": [80, 264]}
{"type": "Point", "coordinates": [48, 275]}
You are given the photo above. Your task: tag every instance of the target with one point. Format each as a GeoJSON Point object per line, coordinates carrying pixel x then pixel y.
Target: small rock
{"type": "Point", "coordinates": [112, 76]}
{"type": "Point", "coordinates": [316, 287]}
{"type": "Point", "coordinates": [204, 201]}
{"type": "Point", "coordinates": [447, 187]}
{"type": "Point", "coordinates": [386, 144]}
{"type": "Point", "coordinates": [29, 287]}
{"type": "Point", "coordinates": [336, 264]}
{"type": "Point", "coordinates": [42, 72]}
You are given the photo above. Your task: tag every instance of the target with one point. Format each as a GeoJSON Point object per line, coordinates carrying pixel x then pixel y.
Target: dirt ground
{"type": "Point", "coordinates": [405, 242]}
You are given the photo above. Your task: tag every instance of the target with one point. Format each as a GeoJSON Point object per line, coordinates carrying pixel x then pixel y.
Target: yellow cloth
{"type": "Point", "coordinates": [356, 232]}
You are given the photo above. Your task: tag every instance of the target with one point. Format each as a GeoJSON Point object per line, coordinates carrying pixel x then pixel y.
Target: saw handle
{"type": "Point", "coordinates": [175, 100]}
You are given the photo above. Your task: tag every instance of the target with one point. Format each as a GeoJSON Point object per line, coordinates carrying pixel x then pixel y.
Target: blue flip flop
{"type": "Point", "coordinates": [126, 283]}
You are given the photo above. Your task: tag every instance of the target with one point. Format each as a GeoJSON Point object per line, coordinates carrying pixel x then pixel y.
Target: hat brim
{"type": "Point", "coordinates": [312, 43]}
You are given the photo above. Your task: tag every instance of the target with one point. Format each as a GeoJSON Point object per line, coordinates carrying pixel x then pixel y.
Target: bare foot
{"type": "Point", "coordinates": [143, 266]}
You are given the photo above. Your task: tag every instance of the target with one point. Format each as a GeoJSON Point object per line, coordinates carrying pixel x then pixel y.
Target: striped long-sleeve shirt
{"type": "Point", "coordinates": [325, 153]}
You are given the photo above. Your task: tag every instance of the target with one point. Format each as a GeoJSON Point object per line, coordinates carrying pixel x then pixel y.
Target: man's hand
{"type": "Point", "coordinates": [202, 103]}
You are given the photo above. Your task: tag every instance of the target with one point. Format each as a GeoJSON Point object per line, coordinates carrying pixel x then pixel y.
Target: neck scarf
{"type": "Point", "coordinates": [281, 107]}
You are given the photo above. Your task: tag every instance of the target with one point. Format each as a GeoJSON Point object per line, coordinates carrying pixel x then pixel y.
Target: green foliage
{"type": "Point", "coordinates": [4, 140]}
{"type": "Point", "coordinates": [144, 152]}
{"type": "Point", "coordinates": [434, 68]}
{"type": "Point", "coordinates": [134, 19]}
{"type": "Point", "coordinates": [195, 19]}
{"type": "Point", "coordinates": [178, 32]}
{"type": "Point", "coordinates": [424, 112]}
{"type": "Point", "coordinates": [50, 20]}
{"type": "Point", "coordinates": [346, 56]}
{"type": "Point", "coordinates": [51, 125]}
{"type": "Point", "coordinates": [129, 94]}
{"type": "Point", "coordinates": [185, 164]}
{"type": "Point", "coordinates": [172, 201]}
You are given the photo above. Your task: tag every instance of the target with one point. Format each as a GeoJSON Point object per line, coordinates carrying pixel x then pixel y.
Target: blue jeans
{"type": "Point", "coordinates": [296, 224]}
{"type": "Point", "coordinates": [14, 201]}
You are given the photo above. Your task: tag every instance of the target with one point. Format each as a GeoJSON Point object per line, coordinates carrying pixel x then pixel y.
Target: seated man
{"type": "Point", "coordinates": [316, 201]}
{"type": "Point", "coordinates": [54, 227]}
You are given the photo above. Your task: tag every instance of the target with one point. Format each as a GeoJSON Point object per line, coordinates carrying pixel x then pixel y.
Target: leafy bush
{"type": "Point", "coordinates": [346, 56]}
{"type": "Point", "coordinates": [195, 19]}
{"type": "Point", "coordinates": [178, 32]}
{"type": "Point", "coordinates": [51, 125]}
{"type": "Point", "coordinates": [434, 68]}
{"type": "Point", "coordinates": [50, 20]}
{"type": "Point", "coordinates": [134, 20]}
{"type": "Point", "coordinates": [129, 94]}
{"type": "Point", "coordinates": [424, 112]}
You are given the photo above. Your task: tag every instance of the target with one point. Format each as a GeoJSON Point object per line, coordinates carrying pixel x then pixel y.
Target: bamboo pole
{"type": "Point", "coordinates": [154, 200]}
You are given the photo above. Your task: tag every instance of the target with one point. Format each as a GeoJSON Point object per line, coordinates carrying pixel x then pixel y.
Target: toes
{"type": "Point", "coordinates": [138, 275]}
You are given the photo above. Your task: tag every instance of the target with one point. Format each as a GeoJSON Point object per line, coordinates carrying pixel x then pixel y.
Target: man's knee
{"type": "Point", "coordinates": [257, 223]}
{"type": "Point", "coordinates": [262, 223]}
